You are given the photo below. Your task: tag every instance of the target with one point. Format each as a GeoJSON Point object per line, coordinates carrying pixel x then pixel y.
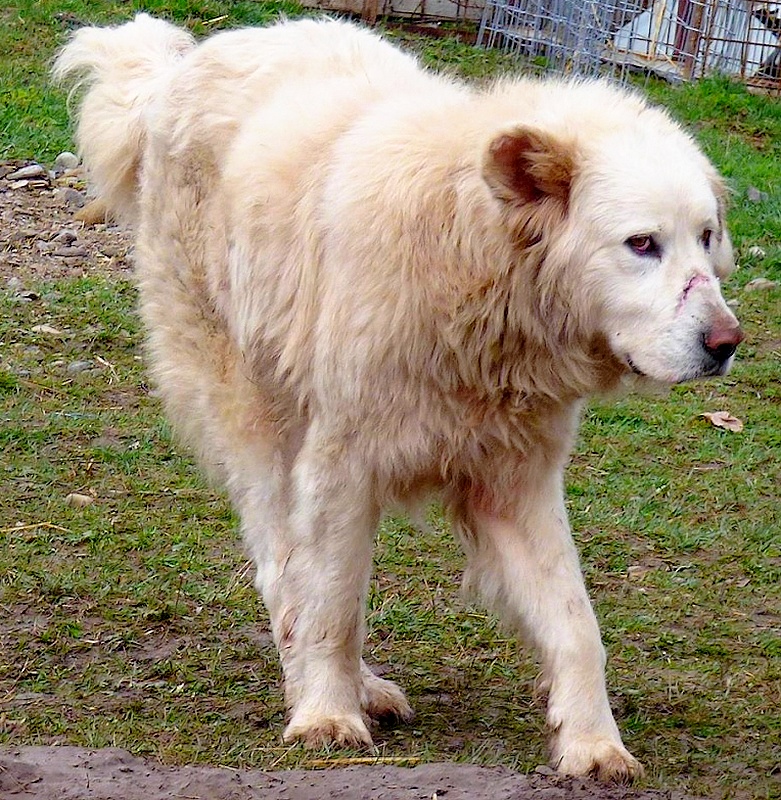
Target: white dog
{"type": "Point", "coordinates": [363, 283]}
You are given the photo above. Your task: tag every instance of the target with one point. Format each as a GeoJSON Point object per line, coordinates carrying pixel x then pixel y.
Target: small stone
{"type": "Point", "coordinates": [14, 284]}
{"type": "Point", "coordinates": [734, 303]}
{"type": "Point", "coordinates": [65, 161]}
{"type": "Point", "coordinates": [77, 500]}
{"type": "Point", "coordinates": [65, 236]}
{"type": "Point", "coordinates": [544, 769]}
{"type": "Point", "coordinates": [71, 251]}
{"type": "Point", "coordinates": [29, 172]}
{"type": "Point", "coordinates": [759, 284]}
{"type": "Point", "coordinates": [48, 330]}
{"type": "Point", "coordinates": [76, 367]}
{"type": "Point", "coordinates": [755, 196]}
{"type": "Point", "coordinates": [70, 197]}
{"type": "Point", "coordinates": [45, 247]}
{"type": "Point", "coordinates": [756, 252]}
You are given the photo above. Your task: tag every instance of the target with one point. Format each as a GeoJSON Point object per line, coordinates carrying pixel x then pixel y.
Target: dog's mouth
{"type": "Point", "coordinates": [631, 364]}
{"type": "Point", "coordinates": [706, 370]}
{"type": "Point", "coordinates": [665, 380]}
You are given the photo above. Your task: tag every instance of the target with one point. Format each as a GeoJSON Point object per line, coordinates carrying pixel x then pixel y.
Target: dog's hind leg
{"type": "Point", "coordinates": [316, 594]}
{"type": "Point", "coordinates": [523, 563]}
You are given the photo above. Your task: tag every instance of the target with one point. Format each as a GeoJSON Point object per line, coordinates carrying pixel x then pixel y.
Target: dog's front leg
{"type": "Point", "coordinates": [317, 598]}
{"type": "Point", "coordinates": [524, 564]}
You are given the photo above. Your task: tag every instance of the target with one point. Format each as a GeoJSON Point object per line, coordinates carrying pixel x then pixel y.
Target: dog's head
{"type": "Point", "coordinates": [631, 216]}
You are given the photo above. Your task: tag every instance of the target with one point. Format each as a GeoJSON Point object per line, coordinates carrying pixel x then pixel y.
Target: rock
{"type": "Point", "coordinates": [48, 330]}
{"type": "Point", "coordinates": [14, 284]}
{"type": "Point", "coordinates": [65, 161]}
{"type": "Point", "coordinates": [77, 500]}
{"type": "Point", "coordinates": [759, 284]}
{"type": "Point", "coordinates": [71, 251]}
{"type": "Point", "coordinates": [755, 196]}
{"type": "Point", "coordinates": [70, 197]}
{"type": "Point", "coordinates": [28, 173]}
{"type": "Point", "coordinates": [756, 252]}
{"type": "Point", "coordinates": [76, 367]}
{"type": "Point", "coordinates": [65, 236]}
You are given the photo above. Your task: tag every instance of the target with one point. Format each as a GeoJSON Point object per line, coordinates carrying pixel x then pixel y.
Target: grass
{"type": "Point", "coordinates": [133, 621]}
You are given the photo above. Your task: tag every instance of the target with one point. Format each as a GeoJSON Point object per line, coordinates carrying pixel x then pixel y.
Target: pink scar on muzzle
{"type": "Point", "coordinates": [694, 281]}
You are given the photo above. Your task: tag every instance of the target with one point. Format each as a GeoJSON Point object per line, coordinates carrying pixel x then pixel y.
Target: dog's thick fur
{"type": "Point", "coordinates": [363, 283]}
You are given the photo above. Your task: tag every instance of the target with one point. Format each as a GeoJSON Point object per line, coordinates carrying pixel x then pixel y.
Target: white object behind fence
{"type": "Point", "coordinates": [679, 39]}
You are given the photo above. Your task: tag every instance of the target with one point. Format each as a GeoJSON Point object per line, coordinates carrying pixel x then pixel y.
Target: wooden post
{"type": "Point", "coordinates": [688, 33]}
{"type": "Point", "coordinates": [369, 11]}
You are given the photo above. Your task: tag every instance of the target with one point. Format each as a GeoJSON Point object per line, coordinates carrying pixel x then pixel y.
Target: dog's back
{"type": "Point", "coordinates": [149, 77]}
{"type": "Point", "coordinates": [205, 133]}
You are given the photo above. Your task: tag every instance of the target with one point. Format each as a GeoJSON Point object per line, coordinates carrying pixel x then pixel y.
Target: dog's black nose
{"type": "Point", "coordinates": [721, 342]}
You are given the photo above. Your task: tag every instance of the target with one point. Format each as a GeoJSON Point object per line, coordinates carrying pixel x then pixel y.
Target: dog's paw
{"type": "Point", "coordinates": [603, 759]}
{"type": "Point", "coordinates": [383, 700]}
{"type": "Point", "coordinates": [345, 730]}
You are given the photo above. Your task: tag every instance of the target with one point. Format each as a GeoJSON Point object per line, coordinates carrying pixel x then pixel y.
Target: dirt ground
{"type": "Point", "coordinates": [73, 773]}
{"type": "Point", "coordinates": [41, 240]}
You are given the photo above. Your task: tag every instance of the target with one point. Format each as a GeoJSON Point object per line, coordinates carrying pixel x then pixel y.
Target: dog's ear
{"type": "Point", "coordinates": [724, 257]}
{"type": "Point", "coordinates": [525, 165]}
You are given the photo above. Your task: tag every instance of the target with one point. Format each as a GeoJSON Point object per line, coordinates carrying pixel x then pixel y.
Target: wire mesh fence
{"type": "Point", "coordinates": [678, 39]}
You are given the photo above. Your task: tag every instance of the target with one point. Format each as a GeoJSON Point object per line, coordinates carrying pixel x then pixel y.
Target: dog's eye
{"type": "Point", "coordinates": [643, 245]}
{"type": "Point", "coordinates": [706, 238]}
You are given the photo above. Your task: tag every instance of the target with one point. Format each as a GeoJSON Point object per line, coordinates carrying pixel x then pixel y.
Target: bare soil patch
{"type": "Point", "coordinates": [41, 240]}
{"type": "Point", "coordinates": [73, 773]}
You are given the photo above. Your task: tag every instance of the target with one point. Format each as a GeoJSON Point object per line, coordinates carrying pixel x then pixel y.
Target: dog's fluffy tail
{"type": "Point", "coordinates": [117, 73]}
